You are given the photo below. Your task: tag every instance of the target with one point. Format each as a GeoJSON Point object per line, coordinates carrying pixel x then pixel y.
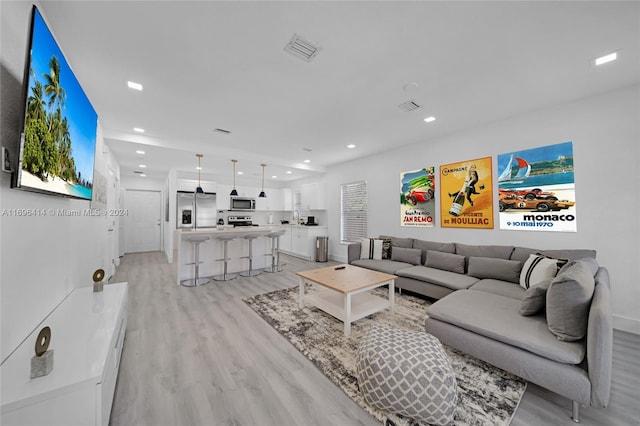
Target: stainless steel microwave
{"type": "Point", "coordinates": [243, 203]}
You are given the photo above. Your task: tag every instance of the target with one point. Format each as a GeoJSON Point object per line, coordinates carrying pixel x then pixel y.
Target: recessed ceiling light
{"type": "Point", "coordinates": [138, 129]}
{"type": "Point", "coordinates": [142, 165]}
{"type": "Point", "coordinates": [274, 177]}
{"type": "Point", "coordinates": [143, 175]}
{"type": "Point", "coordinates": [289, 172]}
{"type": "Point", "coordinates": [307, 161]}
{"type": "Point", "coordinates": [198, 168]}
{"type": "Point", "coordinates": [429, 119]}
{"type": "Point", "coordinates": [240, 173]}
{"type": "Point", "coordinates": [134, 86]}
{"type": "Point", "coordinates": [606, 58]}
{"type": "Point", "coordinates": [351, 146]}
{"type": "Point", "coordinates": [140, 152]}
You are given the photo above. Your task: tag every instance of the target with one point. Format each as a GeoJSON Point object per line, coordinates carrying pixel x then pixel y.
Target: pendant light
{"type": "Point", "coordinates": [199, 188]}
{"type": "Point", "coordinates": [233, 191]}
{"type": "Point", "coordinates": [262, 194]}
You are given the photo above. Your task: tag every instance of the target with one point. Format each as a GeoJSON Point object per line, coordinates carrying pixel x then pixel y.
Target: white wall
{"type": "Point", "coordinates": [605, 132]}
{"type": "Point", "coordinates": [42, 258]}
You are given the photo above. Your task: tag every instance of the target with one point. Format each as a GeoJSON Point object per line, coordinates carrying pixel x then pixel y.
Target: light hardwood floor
{"type": "Point", "coordinates": [200, 356]}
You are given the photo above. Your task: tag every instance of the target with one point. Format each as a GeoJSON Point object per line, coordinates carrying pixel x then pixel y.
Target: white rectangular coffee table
{"type": "Point", "coordinates": [346, 295]}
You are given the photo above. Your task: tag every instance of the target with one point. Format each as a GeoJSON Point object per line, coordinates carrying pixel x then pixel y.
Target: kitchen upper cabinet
{"type": "Point", "coordinates": [222, 197]}
{"type": "Point", "coordinates": [313, 196]}
{"type": "Point", "coordinates": [287, 199]}
{"type": "Point", "coordinates": [274, 199]}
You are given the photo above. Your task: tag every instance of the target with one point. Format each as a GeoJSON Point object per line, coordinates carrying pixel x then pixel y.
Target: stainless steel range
{"type": "Point", "coordinates": [240, 221]}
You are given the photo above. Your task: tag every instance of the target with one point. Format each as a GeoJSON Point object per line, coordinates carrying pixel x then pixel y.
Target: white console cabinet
{"type": "Point", "coordinates": [87, 334]}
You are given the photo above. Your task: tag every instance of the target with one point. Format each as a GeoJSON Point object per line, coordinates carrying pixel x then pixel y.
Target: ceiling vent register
{"type": "Point", "coordinates": [409, 106]}
{"type": "Point", "coordinates": [303, 49]}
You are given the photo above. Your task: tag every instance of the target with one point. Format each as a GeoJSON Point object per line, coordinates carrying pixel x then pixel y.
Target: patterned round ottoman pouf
{"type": "Point", "coordinates": [407, 373]}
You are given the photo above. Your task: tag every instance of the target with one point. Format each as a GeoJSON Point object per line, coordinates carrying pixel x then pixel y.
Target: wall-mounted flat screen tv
{"type": "Point", "coordinates": [58, 141]}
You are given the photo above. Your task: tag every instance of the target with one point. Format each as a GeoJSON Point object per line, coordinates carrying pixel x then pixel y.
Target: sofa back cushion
{"type": "Point", "coordinates": [407, 255]}
{"type": "Point", "coordinates": [568, 300]}
{"type": "Point", "coordinates": [399, 242]}
{"type": "Point", "coordinates": [498, 269]}
{"type": "Point", "coordinates": [433, 245]}
{"type": "Point", "coordinates": [499, 252]}
{"type": "Point", "coordinates": [573, 254]}
{"type": "Point", "coordinates": [445, 261]}
{"type": "Point", "coordinates": [522, 253]}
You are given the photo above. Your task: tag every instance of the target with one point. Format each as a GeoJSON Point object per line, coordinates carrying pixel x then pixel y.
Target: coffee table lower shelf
{"type": "Point", "coordinates": [334, 303]}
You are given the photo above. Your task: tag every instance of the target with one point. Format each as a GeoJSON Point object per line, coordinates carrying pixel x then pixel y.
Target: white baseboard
{"type": "Point", "coordinates": [630, 325]}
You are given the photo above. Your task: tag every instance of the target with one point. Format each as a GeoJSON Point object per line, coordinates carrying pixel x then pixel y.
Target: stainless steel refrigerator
{"type": "Point", "coordinates": [196, 210]}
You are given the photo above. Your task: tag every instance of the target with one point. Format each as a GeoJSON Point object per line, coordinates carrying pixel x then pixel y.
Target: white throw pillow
{"type": "Point", "coordinates": [537, 269]}
{"type": "Point", "coordinates": [371, 248]}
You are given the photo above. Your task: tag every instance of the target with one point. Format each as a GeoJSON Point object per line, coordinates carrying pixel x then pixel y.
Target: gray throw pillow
{"type": "Point", "coordinates": [497, 269]}
{"type": "Point", "coordinates": [534, 298]}
{"type": "Point", "coordinates": [407, 255]}
{"type": "Point", "coordinates": [433, 245]}
{"type": "Point", "coordinates": [568, 300]}
{"type": "Point", "coordinates": [445, 261]}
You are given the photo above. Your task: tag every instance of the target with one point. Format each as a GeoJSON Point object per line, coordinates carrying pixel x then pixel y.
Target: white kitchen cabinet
{"type": "Point", "coordinates": [287, 199]}
{"type": "Point", "coordinates": [285, 240]}
{"type": "Point", "coordinates": [313, 196]}
{"type": "Point", "coordinates": [303, 241]}
{"type": "Point", "coordinates": [87, 334]}
{"type": "Point", "coordinates": [274, 199]}
{"type": "Point", "coordinates": [223, 197]}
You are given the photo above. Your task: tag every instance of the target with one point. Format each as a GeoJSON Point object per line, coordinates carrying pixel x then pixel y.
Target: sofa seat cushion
{"type": "Point", "coordinates": [502, 288]}
{"type": "Point", "coordinates": [384, 265]}
{"type": "Point", "coordinates": [497, 317]}
{"type": "Point", "coordinates": [438, 276]}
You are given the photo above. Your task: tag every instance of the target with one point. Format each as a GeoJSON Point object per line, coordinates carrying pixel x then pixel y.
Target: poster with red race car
{"type": "Point", "coordinates": [536, 189]}
{"type": "Point", "coordinates": [417, 192]}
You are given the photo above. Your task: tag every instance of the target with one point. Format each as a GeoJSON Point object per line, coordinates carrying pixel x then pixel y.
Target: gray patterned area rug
{"type": "Point", "coordinates": [487, 395]}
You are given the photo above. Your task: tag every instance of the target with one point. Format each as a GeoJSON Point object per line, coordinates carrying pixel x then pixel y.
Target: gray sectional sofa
{"type": "Point", "coordinates": [557, 335]}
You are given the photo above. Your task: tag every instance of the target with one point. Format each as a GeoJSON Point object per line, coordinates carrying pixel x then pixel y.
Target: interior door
{"type": "Point", "coordinates": [144, 220]}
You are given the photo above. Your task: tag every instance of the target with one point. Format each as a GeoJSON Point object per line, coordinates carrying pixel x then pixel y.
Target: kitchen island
{"type": "Point", "coordinates": [212, 250]}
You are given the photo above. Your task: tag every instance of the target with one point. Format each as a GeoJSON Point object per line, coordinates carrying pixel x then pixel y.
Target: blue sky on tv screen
{"type": "Point", "coordinates": [82, 118]}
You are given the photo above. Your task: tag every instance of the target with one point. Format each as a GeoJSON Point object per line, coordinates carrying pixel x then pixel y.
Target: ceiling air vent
{"type": "Point", "coordinates": [409, 106]}
{"type": "Point", "coordinates": [224, 131]}
{"type": "Point", "coordinates": [139, 172]}
{"type": "Point", "coordinates": [303, 49]}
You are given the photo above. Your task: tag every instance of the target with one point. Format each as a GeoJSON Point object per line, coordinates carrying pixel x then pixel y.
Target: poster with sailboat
{"type": "Point", "coordinates": [536, 189]}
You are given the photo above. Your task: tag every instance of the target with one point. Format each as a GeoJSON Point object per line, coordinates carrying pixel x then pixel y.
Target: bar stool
{"type": "Point", "coordinates": [196, 280]}
{"type": "Point", "coordinates": [224, 276]}
{"type": "Point", "coordinates": [275, 251]}
{"type": "Point", "coordinates": [251, 272]}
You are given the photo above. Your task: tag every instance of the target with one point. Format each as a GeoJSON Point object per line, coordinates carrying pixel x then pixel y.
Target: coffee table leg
{"type": "Point", "coordinates": [392, 295]}
{"type": "Point", "coordinates": [347, 314]}
{"type": "Point", "coordinates": [301, 289]}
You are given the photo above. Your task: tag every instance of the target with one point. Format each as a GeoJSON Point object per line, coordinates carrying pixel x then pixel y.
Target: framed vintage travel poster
{"type": "Point", "coordinates": [417, 193]}
{"type": "Point", "coordinates": [536, 189]}
{"type": "Point", "coordinates": [466, 194]}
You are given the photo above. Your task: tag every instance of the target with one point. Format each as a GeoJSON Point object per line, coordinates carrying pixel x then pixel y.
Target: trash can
{"type": "Point", "coordinates": [322, 249]}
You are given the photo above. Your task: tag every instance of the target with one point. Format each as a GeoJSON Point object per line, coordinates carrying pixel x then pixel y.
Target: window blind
{"type": "Point", "coordinates": [353, 211]}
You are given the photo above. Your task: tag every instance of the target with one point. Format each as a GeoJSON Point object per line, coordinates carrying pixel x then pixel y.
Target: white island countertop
{"type": "Point", "coordinates": [230, 230]}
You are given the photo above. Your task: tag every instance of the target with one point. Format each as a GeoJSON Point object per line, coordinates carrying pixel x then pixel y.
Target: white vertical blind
{"type": "Point", "coordinates": [353, 211]}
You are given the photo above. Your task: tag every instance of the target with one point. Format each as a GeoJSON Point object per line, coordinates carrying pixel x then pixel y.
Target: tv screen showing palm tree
{"type": "Point", "coordinates": [58, 149]}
